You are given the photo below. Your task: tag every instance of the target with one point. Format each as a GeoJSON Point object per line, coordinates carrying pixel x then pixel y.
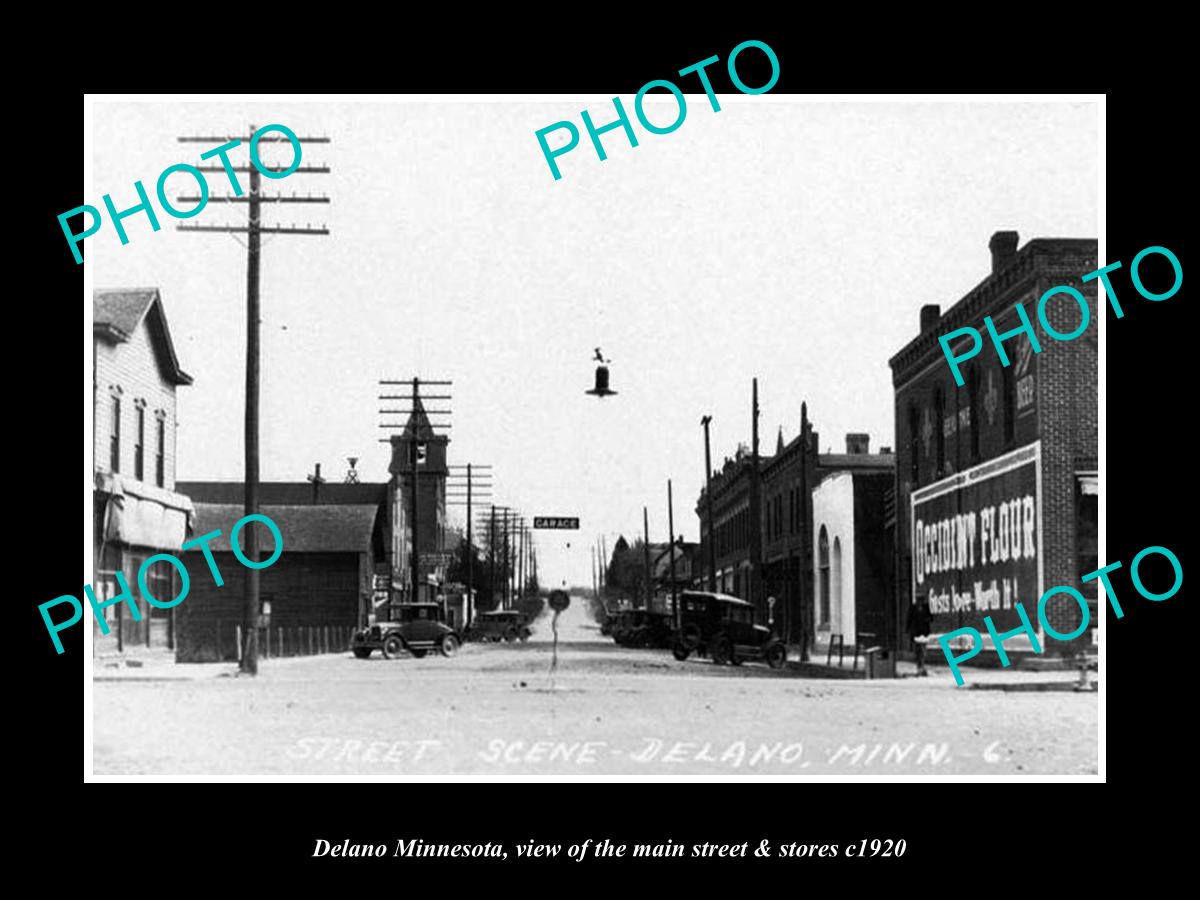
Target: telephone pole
{"type": "Point", "coordinates": [254, 229]}
{"type": "Point", "coordinates": [671, 534]}
{"type": "Point", "coordinates": [478, 487]}
{"type": "Point", "coordinates": [755, 504]}
{"type": "Point", "coordinates": [646, 554]}
{"type": "Point", "coordinates": [708, 501]}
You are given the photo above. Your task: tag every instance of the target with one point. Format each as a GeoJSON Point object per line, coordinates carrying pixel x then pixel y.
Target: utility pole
{"type": "Point", "coordinates": [755, 505]}
{"type": "Point", "coordinates": [477, 488]}
{"type": "Point", "coordinates": [492, 553]}
{"type": "Point", "coordinates": [595, 585]}
{"type": "Point", "coordinates": [421, 432]}
{"type": "Point", "coordinates": [671, 530]}
{"type": "Point", "coordinates": [708, 500]}
{"type": "Point", "coordinates": [254, 229]}
{"type": "Point", "coordinates": [646, 553]}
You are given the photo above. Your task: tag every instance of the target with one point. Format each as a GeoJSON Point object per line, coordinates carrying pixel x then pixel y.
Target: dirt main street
{"type": "Point", "coordinates": [496, 711]}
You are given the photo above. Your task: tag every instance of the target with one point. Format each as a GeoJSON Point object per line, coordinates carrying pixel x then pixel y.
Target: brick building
{"type": "Point", "coordinates": [431, 472]}
{"type": "Point", "coordinates": [138, 511]}
{"type": "Point", "coordinates": [997, 479]}
{"type": "Point", "coordinates": [788, 479]}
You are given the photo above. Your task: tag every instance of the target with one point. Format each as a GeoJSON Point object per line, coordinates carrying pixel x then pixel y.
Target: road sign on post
{"type": "Point", "coordinates": [555, 522]}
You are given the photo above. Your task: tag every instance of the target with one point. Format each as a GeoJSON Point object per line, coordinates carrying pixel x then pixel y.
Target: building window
{"type": "Point", "coordinates": [1009, 404]}
{"type": "Point", "coordinates": [160, 454]}
{"type": "Point", "coordinates": [1086, 498]}
{"type": "Point", "coordinates": [823, 578]}
{"type": "Point", "coordinates": [835, 573]}
{"type": "Point", "coordinates": [114, 440]}
{"type": "Point", "coordinates": [914, 443]}
{"type": "Point", "coordinates": [939, 428]}
{"type": "Point", "coordinates": [973, 410]}
{"type": "Point", "coordinates": [139, 448]}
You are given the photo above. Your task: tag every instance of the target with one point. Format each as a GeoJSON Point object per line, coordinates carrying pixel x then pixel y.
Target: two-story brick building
{"type": "Point", "coordinates": [789, 574]}
{"type": "Point", "coordinates": [137, 510]}
{"type": "Point", "coordinates": [996, 480]}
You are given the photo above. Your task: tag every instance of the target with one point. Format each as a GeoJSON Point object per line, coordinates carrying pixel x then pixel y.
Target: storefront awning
{"type": "Point", "coordinates": [140, 515]}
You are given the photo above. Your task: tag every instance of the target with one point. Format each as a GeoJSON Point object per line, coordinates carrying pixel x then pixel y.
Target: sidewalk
{"type": "Point", "coordinates": [140, 664]}
{"type": "Point", "coordinates": [1034, 678]}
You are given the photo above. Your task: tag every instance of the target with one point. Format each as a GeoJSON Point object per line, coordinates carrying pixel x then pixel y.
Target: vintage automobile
{"type": "Point", "coordinates": [418, 629]}
{"type": "Point", "coordinates": [723, 628]}
{"type": "Point", "coordinates": [499, 625]}
{"type": "Point", "coordinates": [642, 628]}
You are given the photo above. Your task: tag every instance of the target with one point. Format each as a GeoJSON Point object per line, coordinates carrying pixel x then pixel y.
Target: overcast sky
{"type": "Point", "coordinates": [787, 240]}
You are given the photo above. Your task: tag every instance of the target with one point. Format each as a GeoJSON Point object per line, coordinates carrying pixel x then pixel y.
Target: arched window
{"type": "Point", "coordinates": [823, 576]}
{"type": "Point", "coordinates": [835, 572]}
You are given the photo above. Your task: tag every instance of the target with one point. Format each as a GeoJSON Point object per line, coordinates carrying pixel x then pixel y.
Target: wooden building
{"type": "Point", "coordinates": [138, 510]}
{"type": "Point", "coordinates": [335, 541]}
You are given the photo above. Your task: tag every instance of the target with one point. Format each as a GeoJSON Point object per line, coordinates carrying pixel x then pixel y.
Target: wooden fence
{"type": "Point", "coordinates": [300, 640]}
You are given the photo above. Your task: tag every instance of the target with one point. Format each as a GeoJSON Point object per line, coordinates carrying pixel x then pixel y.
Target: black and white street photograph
{"type": "Point", "coordinates": [535, 437]}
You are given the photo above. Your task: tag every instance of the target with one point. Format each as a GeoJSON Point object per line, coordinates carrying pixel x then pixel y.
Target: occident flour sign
{"type": "Point", "coordinates": [977, 541]}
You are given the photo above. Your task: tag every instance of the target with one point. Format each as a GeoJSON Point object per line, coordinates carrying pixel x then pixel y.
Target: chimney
{"type": "Point", "coordinates": [1004, 247]}
{"type": "Point", "coordinates": [858, 443]}
{"type": "Point", "coordinates": [886, 451]}
{"type": "Point", "coordinates": [930, 313]}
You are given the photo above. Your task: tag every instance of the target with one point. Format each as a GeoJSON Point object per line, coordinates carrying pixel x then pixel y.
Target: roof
{"type": "Point", "coordinates": [722, 598]}
{"type": "Point", "coordinates": [305, 529]}
{"type": "Point", "coordinates": [117, 314]}
{"type": "Point", "coordinates": [1037, 254]}
{"type": "Point", "coordinates": [856, 460]}
{"type": "Point", "coordinates": [285, 493]}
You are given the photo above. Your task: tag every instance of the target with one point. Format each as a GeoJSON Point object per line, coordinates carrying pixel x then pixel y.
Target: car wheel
{"type": "Point", "coordinates": [510, 635]}
{"type": "Point", "coordinates": [449, 645]}
{"type": "Point", "coordinates": [526, 634]}
{"type": "Point", "coordinates": [680, 652]}
{"type": "Point", "coordinates": [393, 645]}
{"type": "Point", "coordinates": [419, 654]}
{"type": "Point", "coordinates": [362, 652]}
{"type": "Point", "coordinates": [776, 656]}
{"type": "Point", "coordinates": [721, 651]}
{"type": "Point", "coordinates": [734, 659]}
{"type": "Point", "coordinates": [691, 635]}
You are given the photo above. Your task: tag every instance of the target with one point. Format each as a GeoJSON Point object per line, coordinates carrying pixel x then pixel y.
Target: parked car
{"type": "Point", "coordinates": [609, 623]}
{"type": "Point", "coordinates": [418, 629]}
{"type": "Point", "coordinates": [499, 625]}
{"type": "Point", "coordinates": [643, 628]}
{"type": "Point", "coordinates": [723, 628]}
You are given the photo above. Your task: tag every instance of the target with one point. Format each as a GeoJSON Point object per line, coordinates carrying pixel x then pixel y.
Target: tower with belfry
{"type": "Point", "coordinates": [431, 472]}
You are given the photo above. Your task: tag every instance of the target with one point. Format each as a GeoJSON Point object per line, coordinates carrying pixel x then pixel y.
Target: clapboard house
{"type": "Point", "coordinates": [139, 510]}
{"type": "Point", "coordinates": [335, 540]}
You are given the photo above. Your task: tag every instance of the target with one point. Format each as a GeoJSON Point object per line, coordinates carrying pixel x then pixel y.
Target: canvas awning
{"type": "Point", "coordinates": [140, 515]}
